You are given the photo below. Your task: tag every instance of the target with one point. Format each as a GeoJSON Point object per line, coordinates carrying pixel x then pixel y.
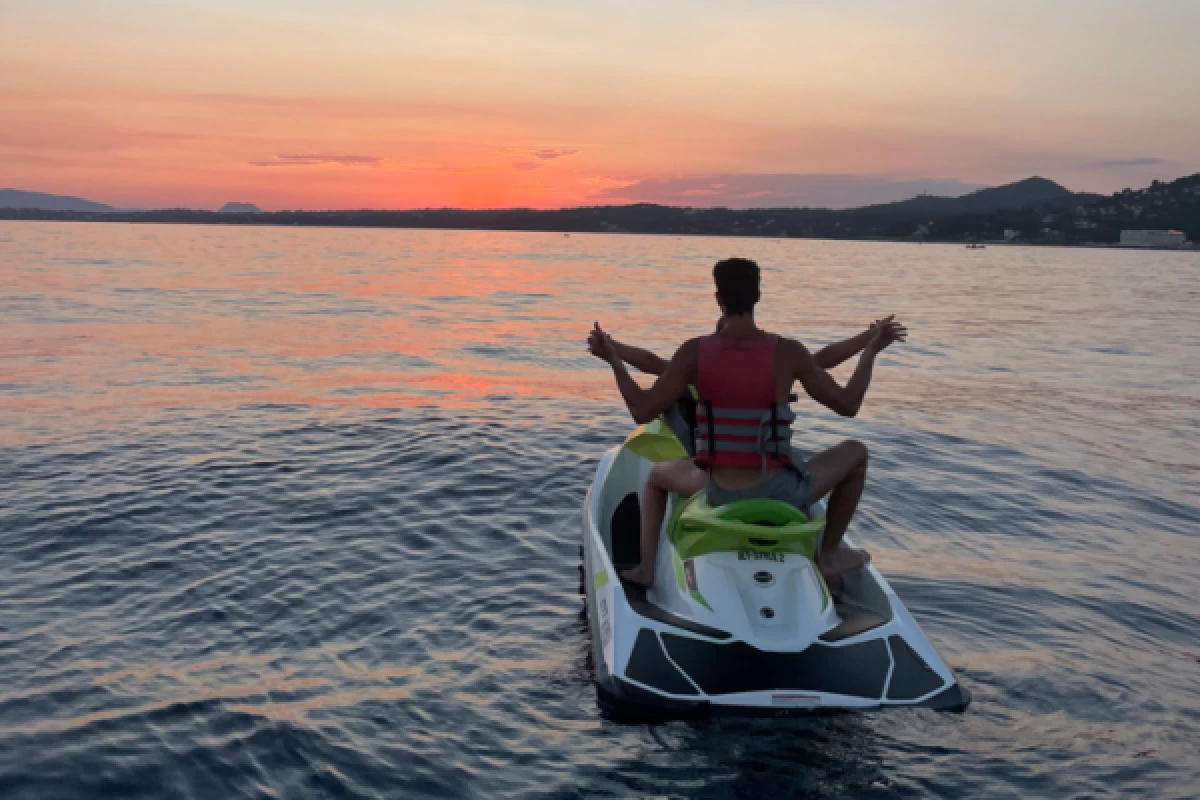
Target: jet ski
{"type": "Point", "coordinates": [739, 619]}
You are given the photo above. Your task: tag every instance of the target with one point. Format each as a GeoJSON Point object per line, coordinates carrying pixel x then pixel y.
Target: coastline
{"type": "Point", "coordinates": [270, 220]}
{"type": "Point", "coordinates": [413, 220]}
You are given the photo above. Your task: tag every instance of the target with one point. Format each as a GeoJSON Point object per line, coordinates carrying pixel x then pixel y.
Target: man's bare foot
{"type": "Point", "coordinates": [842, 561]}
{"type": "Point", "coordinates": [638, 577]}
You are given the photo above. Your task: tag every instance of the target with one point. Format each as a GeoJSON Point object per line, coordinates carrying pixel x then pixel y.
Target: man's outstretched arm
{"type": "Point", "coordinates": [844, 400]}
{"type": "Point", "coordinates": [639, 359]}
{"type": "Point", "coordinates": [645, 404]}
{"type": "Point", "coordinates": [832, 355]}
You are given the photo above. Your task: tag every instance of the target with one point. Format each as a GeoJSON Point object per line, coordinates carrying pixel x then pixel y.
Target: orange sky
{"type": "Point", "coordinates": [378, 103]}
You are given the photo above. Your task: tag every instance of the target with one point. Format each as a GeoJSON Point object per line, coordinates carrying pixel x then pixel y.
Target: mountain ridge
{"type": "Point", "coordinates": [41, 201]}
{"type": "Point", "coordinates": [239, 208]}
{"type": "Point", "coordinates": [1034, 192]}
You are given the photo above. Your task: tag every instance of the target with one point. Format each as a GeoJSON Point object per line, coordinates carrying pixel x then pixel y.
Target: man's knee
{"type": "Point", "coordinates": [662, 471]}
{"type": "Point", "coordinates": [656, 477]}
{"type": "Point", "coordinates": [857, 452]}
{"type": "Point", "coordinates": [675, 476]}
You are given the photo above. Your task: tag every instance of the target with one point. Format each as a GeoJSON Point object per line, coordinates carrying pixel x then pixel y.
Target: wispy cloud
{"type": "Point", "coordinates": [1133, 162]}
{"type": "Point", "coordinates": [378, 162]}
{"type": "Point", "coordinates": [543, 156]}
{"type": "Point", "coordinates": [312, 159]}
{"type": "Point", "coordinates": [778, 191]}
{"type": "Point", "coordinates": [433, 166]}
{"type": "Point", "coordinates": [543, 153]}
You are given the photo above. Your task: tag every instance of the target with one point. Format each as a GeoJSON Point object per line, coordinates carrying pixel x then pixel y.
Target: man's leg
{"type": "Point", "coordinates": [681, 477]}
{"type": "Point", "coordinates": [841, 472]}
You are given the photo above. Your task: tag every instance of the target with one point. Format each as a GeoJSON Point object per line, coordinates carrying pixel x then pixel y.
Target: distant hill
{"type": "Point", "coordinates": [240, 208]}
{"type": "Point", "coordinates": [15, 198]}
{"type": "Point", "coordinates": [1029, 193]}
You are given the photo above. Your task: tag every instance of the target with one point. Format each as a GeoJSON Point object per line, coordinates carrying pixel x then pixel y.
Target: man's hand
{"type": "Point", "coordinates": [886, 331]}
{"type": "Point", "coordinates": [600, 344]}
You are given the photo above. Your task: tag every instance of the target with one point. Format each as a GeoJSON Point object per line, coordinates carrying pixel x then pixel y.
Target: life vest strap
{"type": "Point", "coordinates": [777, 448]}
{"type": "Point", "coordinates": [757, 414]}
{"type": "Point", "coordinates": [711, 437]}
{"type": "Point", "coordinates": [750, 431]}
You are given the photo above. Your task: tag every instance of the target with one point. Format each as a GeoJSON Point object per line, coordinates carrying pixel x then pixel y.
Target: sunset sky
{"type": "Point", "coordinates": [390, 104]}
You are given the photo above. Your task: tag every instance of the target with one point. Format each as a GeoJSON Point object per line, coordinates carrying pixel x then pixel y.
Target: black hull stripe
{"type": "Point", "coordinates": [650, 666]}
{"type": "Point", "coordinates": [912, 677]}
{"type": "Point", "coordinates": [857, 670]}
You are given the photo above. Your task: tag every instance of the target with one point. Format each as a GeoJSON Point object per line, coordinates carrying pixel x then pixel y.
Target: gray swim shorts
{"type": "Point", "coordinates": [789, 485]}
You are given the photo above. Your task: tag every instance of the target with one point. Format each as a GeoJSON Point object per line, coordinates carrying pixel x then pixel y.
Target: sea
{"type": "Point", "coordinates": [295, 512]}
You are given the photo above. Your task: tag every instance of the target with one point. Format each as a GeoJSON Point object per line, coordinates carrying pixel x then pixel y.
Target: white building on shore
{"type": "Point", "coordinates": [1153, 239]}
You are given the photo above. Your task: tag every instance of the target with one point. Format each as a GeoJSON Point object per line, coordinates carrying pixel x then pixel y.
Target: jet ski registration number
{"type": "Point", "coordinates": [758, 555]}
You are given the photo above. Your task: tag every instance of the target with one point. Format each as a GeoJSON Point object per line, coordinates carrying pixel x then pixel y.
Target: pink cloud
{"type": "Point", "coordinates": [311, 159]}
{"type": "Point", "coordinates": [319, 159]}
{"type": "Point", "coordinates": [543, 153]}
{"type": "Point", "coordinates": [430, 166]}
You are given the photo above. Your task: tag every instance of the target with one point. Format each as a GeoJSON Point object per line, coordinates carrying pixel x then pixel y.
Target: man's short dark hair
{"type": "Point", "coordinates": [737, 284]}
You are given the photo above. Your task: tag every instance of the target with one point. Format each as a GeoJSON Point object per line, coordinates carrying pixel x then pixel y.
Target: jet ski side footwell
{"type": "Point", "coordinates": [694, 659]}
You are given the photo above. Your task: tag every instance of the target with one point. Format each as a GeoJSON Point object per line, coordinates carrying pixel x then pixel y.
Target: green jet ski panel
{"type": "Point", "coordinates": [655, 441]}
{"type": "Point", "coordinates": [758, 524]}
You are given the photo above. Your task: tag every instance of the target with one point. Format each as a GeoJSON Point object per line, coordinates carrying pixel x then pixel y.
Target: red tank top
{"type": "Point", "coordinates": [735, 377]}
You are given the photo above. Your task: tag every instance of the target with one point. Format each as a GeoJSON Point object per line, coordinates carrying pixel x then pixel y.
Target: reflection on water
{"type": "Point", "coordinates": [295, 512]}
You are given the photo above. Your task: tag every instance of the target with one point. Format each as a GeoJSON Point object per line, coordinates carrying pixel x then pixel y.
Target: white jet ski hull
{"type": "Point", "coordinates": [863, 652]}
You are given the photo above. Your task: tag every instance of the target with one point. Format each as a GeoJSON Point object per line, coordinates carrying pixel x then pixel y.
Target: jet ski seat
{"type": "Point", "coordinates": [698, 528]}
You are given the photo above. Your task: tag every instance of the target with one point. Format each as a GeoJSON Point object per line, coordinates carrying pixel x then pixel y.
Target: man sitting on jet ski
{"type": "Point", "coordinates": [744, 378]}
{"type": "Point", "coordinates": [681, 417]}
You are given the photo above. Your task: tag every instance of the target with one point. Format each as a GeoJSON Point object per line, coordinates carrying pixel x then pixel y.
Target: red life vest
{"type": "Point", "coordinates": [738, 422]}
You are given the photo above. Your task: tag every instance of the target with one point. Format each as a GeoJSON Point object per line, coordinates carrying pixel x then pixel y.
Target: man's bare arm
{"type": "Point", "coordinates": [833, 355]}
{"type": "Point", "coordinates": [646, 404]}
{"type": "Point", "coordinates": [846, 400]}
{"type": "Point", "coordinates": [820, 385]}
{"type": "Point", "coordinates": [639, 359]}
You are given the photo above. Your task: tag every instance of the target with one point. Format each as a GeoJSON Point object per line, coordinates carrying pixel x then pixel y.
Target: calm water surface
{"type": "Point", "coordinates": [295, 513]}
